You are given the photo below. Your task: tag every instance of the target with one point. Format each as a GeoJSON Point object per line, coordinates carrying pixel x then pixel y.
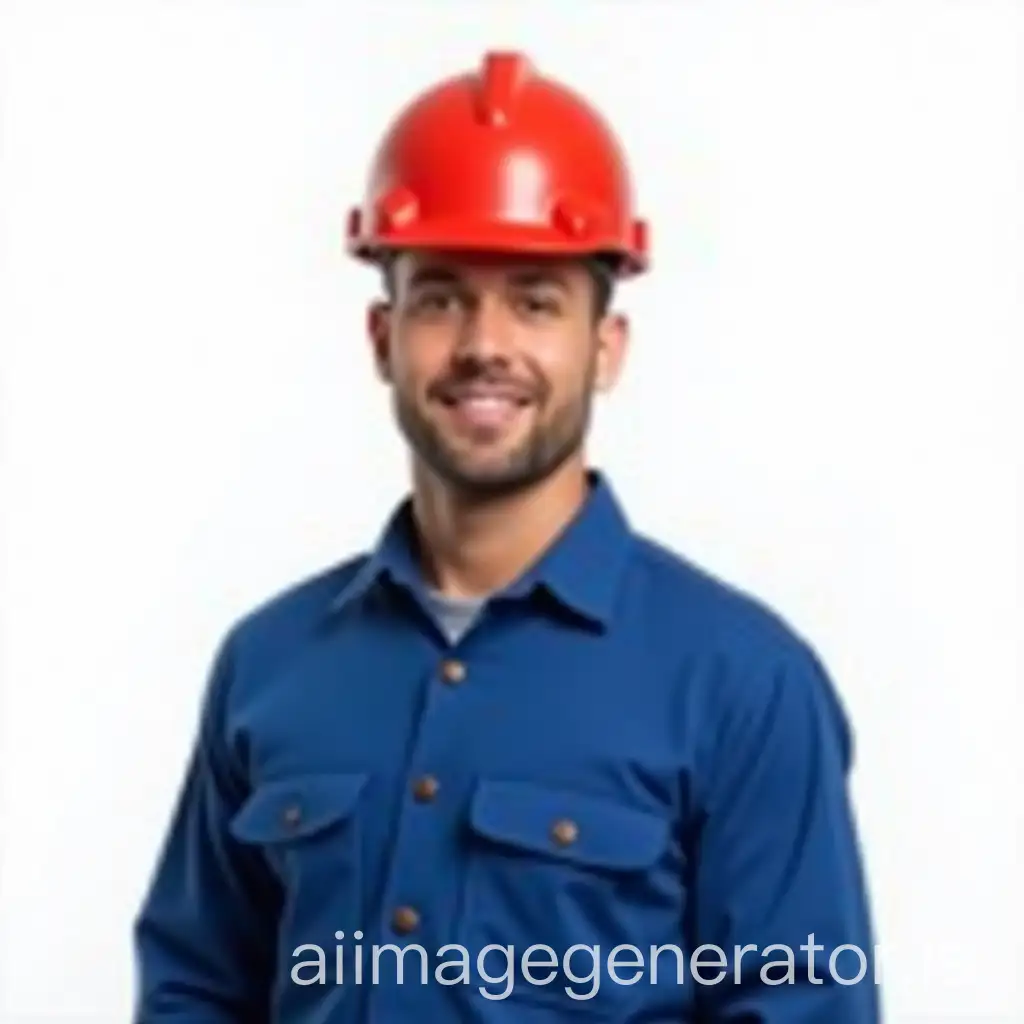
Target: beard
{"type": "Point", "coordinates": [551, 442]}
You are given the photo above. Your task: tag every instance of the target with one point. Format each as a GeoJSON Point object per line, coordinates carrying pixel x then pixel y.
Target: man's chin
{"type": "Point", "coordinates": [483, 477]}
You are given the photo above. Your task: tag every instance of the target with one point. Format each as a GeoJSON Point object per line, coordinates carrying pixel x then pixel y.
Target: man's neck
{"type": "Point", "coordinates": [475, 547]}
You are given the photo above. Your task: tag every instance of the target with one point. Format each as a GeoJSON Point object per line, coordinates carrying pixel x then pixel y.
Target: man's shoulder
{"type": "Point", "coordinates": [702, 607]}
{"type": "Point", "coordinates": [749, 659]}
{"type": "Point", "coordinates": [297, 608]}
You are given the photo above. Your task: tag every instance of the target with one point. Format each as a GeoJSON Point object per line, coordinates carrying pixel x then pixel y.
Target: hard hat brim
{"type": "Point", "coordinates": [495, 239]}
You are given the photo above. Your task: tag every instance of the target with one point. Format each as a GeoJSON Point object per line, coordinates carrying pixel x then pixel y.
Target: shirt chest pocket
{"type": "Point", "coordinates": [308, 827]}
{"type": "Point", "coordinates": [558, 868]}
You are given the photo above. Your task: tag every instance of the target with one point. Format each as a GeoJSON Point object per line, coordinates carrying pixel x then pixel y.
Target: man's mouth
{"type": "Point", "coordinates": [485, 406]}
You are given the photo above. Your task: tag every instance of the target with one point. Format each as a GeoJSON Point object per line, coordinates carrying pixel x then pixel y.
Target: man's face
{"type": "Point", "coordinates": [493, 364]}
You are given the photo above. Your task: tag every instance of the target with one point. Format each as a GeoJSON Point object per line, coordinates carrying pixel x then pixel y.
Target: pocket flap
{"type": "Point", "coordinates": [296, 807]}
{"type": "Point", "coordinates": [569, 825]}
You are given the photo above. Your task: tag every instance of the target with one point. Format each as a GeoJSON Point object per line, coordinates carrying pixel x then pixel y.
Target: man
{"type": "Point", "coordinates": [517, 762]}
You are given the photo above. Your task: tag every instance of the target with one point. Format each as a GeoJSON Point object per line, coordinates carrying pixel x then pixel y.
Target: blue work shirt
{"type": "Point", "coordinates": [624, 760]}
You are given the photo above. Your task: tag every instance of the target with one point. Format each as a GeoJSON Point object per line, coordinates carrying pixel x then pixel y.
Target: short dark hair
{"type": "Point", "coordinates": [601, 268]}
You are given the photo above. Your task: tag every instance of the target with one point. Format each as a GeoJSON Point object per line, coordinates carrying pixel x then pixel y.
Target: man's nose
{"type": "Point", "coordinates": [486, 331]}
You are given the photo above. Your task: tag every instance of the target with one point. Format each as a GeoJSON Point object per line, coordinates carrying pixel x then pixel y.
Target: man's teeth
{"type": "Point", "coordinates": [488, 410]}
{"type": "Point", "coordinates": [486, 403]}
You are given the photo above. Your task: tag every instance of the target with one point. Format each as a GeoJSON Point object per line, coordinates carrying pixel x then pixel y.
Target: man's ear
{"type": "Point", "coordinates": [612, 343]}
{"type": "Point", "coordinates": [378, 328]}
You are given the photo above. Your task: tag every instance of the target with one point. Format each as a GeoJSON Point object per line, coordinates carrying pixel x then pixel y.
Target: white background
{"type": "Point", "coordinates": [819, 404]}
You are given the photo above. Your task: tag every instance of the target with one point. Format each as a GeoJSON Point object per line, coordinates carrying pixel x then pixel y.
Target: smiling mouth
{"type": "Point", "coordinates": [482, 407]}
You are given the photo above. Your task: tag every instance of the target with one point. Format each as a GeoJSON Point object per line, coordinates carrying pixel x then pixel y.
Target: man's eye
{"type": "Point", "coordinates": [435, 302]}
{"type": "Point", "coordinates": [539, 305]}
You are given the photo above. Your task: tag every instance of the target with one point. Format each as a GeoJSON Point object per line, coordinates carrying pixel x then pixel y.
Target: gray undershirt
{"type": "Point", "coordinates": [455, 615]}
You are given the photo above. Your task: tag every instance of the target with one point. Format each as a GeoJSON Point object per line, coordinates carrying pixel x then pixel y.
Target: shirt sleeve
{"type": "Point", "coordinates": [780, 900]}
{"type": "Point", "coordinates": [204, 935]}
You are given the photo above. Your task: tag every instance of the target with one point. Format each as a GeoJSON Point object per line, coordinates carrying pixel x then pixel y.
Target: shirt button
{"type": "Point", "coordinates": [453, 671]}
{"type": "Point", "coordinates": [426, 788]}
{"type": "Point", "coordinates": [292, 815]}
{"type": "Point", "coordinates": [565, 832]}
{"type": "Point", "coordinates": [405, 920]}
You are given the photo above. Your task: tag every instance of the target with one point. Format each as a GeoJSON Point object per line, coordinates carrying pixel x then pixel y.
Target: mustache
{"type": "Point", "coordinates": [471, 374]}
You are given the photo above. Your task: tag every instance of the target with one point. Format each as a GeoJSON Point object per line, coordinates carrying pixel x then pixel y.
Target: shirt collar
{"type": "Point", "coordinates": [581, 569]}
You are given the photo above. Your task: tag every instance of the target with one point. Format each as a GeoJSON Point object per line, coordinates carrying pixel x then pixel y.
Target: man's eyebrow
{"type": "Point", "coordinates": [531, 276]}
{"type": "Point", "coordinates": [526, 277]}
{"type": "Point", "coordinates": [432, 275]}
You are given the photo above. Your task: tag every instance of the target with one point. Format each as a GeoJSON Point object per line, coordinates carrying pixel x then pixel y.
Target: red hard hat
{"type": "Point", "coordinates": [504, 161]}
